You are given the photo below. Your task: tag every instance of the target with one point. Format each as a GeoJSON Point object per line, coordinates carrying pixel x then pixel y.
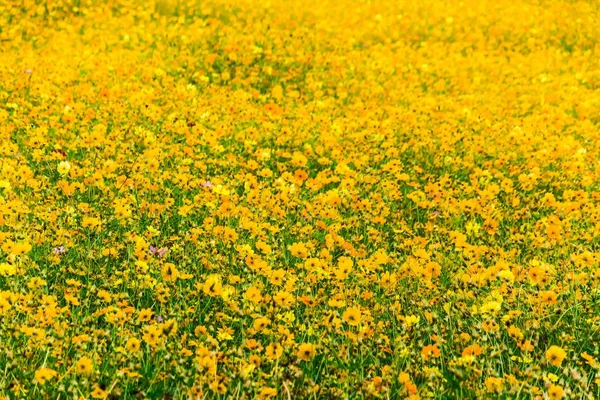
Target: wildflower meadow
{"type": "Point", "coordinates": [276, 199]}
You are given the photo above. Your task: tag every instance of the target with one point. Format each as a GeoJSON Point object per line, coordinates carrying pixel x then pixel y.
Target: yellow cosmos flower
{"type": "Point", "coordinates": [63, 168]}
{"type": "Point", "coordinates": [84, 366]}
{"type": "Point", "coordinates": [555, 355]}
{"type": "Point", "coordinates": [213, 286]}
{"type": "Point", "coordinates": [555, 392]}
{"type": "Point", "coordinates": [267, 393]}
{"type": "Point", "coordinates": [494, 385]}
{"type": "Point", "coordinates": [44, 374]}
{"type": "Point", "coordinates": [284, 299]}
{"type": "Point", "coordinates": [253, 294]}
{"type": "Point", "coordinates": [306, 351]}
{"type": "Point", "coordinates": [99, 393]}
{"type": "Point", "coordinates": [352, 316]}
{"type": "Point", "coordinates": [133, 345]}
{"type": "Point", "coordinates": [261, 323]}
{"type": "Point", "coordinates": [153, 335]}
{"type": "Point", "coordinates": [273, 351]}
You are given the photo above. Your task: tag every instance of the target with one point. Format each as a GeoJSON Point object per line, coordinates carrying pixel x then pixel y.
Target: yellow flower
{"type": "Point", "coordinates": [491, 307]}
{"type": "Point", "coordinates": [267, 393]}
{"type": "Point", "coordinates": [411, 320]}
{"type": "Point", "coordinates": [590, 360]}
{"type": "Point", "coordinates": [555, 355]}
{"type": "Point", "coordinates": [63, 168]}
{"type": "Point", "coordinates": [506, 275]}
{"type": "Point", "coordinates": [44, 374]}
{"type": "Point", "coordinates": [169, 272]}
{"type": "Point", "coordinates": [206, 364]}
{"type": "Point", "coordinates": [306, 351]}
{"type": "Point", "coordinates": [153, 335]}
{"type": "Point", "coordinates": [344, 267]}
{"type": "Point", "coordinates": [352, 316]}
{"type": "Point", "coordinates": [284, 299]}
{"type": "Point", "coordinates": [253, 294]}
{"type": "Point", "coordinates": [90, 222]}
{"type": "Point", "coordinates": [84, 366]}
{"type": "Point", "coordinates": [133, 345]}
{"type": "Point", "coordinates": [403, 377]}
{"type": "Point", "coordinates": [273, 351]}
{"type": "Point", "coordinates": [555, 392]}
{"type": "Point", "coordinates": [212, 285]}
{"type": "Point", "coordinates": [104, 296]}
{"type": "Point", "coordinates": [298, 250]}
{"type": "Point", "coordinates": [494, 385]}
{"type": "Point", "coordinates": [99, 393]}
{"type": "Point", "coordinates": [261, 323]}
{"type": "Point", "coordinates": [7, 269]}
{"type": "Point", "coordinates": [145, 315]}
{"type": "Point", "coordinates": [548, 297]}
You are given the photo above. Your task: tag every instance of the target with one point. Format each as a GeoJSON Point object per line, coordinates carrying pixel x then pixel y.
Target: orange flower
{"type": "Point", "coordinates": [472, 350]}
{"type": "Point", "coordinates": [430, 350]}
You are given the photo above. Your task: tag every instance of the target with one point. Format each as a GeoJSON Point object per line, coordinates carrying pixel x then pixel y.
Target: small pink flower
{"type": "Point", "coordinates": [156, 251]}
{"type": "Point", "coordinates": [207, 185]}
{"type": "Point", "coordinates": [59, 250]}
{"type": "Point", "coordinates": [162, 252]}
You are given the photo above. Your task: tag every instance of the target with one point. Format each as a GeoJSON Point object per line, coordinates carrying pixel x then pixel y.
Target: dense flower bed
{"type": "Point", "coordinates": [311, 199]}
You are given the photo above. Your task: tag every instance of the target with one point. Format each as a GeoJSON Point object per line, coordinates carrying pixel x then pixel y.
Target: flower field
{"type": "Point", "coordinates": [299, 199]}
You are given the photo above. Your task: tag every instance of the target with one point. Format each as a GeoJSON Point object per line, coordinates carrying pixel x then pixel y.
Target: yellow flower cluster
{"type": "Point", "coordinates": [313, 199]}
